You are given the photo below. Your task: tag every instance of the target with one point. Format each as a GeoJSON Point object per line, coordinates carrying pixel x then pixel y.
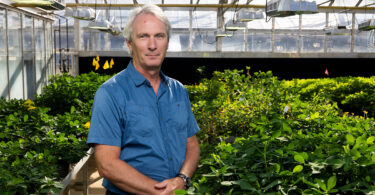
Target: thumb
{"type": "Point", "coordinates": [161, 185]}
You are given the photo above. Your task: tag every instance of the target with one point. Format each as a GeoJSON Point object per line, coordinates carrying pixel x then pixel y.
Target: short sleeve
{"type": "Point", "coordinates": [192, 125]}
{"type": "Point", "coordinates": [105, 124]}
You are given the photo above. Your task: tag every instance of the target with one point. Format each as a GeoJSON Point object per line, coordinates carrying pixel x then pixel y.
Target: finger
{"type": "Point", "coordinates": [161, 185]}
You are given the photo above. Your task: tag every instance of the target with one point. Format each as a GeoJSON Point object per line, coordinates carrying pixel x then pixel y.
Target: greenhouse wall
{"type": "Point", "coordinates": [26, 53]}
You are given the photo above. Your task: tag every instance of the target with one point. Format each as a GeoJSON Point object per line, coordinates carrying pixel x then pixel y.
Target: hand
{"type": "Point", "coordinates": [170, 185]}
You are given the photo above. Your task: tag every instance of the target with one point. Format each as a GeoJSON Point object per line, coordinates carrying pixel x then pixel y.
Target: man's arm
{"type": "Point", "coordinates": [120, 173]}
{"type": "Point", "coordinates": [188, 168]}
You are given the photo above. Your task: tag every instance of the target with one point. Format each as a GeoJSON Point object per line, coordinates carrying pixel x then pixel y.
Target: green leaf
{"type": "Point", "coordinates": [25, 117]}
{"type": "Point", "coordinates": [72, 109]}
{"type": "Point", "coordinates": [226, 183]}
{"type": "Point", "coordinates": [350, 139]}
{"type": "Point", "coordinates": [370, 140]}
{"type": "Point", "coordinates": [297, 169]}
{"type": "Point", "coordinates": [299, 158]}
{"type": "Point", "coordinates": [321, 184]}
{"type": "Point", "coordinates": [276, 134]}
{"type": "Point", "coordinates": [331, 182]}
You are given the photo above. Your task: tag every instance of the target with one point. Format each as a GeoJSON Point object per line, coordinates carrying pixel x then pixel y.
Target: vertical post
{"type": "Point", "coordinates": [326, 36]}
{"type": "Point", "coordinates": [273, 35]}
{"type": "Point", "coordinates": [85, 179]}
{"type": "Point", "coordinates": [7, 52]}
{"type": "Point", "coordinates": [299, 33]}
{"type": "Point", "coordinates": [353, 33]}
{"type": "Point", "coordinates": [220, 25]}
{"type": "Point", "coordinates": [190, 48]}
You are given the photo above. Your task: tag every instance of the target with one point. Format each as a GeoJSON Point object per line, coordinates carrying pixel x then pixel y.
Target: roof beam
{"type": "Point", "coordinates": [358, 3]}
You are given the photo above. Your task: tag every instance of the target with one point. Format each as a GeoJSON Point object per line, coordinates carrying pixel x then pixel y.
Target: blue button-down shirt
{"type": "Point", "coordinates": [151, 129]}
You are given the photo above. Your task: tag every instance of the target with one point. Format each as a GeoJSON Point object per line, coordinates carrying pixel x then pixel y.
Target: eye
{"type": "Point", "coordinates": [160, 35]}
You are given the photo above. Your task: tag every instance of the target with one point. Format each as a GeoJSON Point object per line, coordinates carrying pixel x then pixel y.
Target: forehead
{"type": "Point", "coordinates": [148, 22]}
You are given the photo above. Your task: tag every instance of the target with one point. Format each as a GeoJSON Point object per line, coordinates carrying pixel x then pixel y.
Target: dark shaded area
{"type": "Point", "coordinates": [185, 69]}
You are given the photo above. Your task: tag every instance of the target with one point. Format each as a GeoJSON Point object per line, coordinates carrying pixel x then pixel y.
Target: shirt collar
{"type": "Point", "coordinates": [139, 79]}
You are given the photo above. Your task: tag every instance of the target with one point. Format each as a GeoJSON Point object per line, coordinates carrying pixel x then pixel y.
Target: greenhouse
{"type": "Point", "coordinates": [283, 92]}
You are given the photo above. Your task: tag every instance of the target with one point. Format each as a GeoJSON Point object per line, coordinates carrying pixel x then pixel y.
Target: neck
{"type": "Point", "coordinates": [152, 75]}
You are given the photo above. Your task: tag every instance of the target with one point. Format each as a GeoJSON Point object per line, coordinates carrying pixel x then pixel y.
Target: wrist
{"type": "Point", "coordinates": [185, 179]}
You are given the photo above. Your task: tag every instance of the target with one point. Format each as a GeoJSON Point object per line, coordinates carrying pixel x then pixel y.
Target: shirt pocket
{"type": "Point", "coordinates": [139, 121]}
{"type": "Point", "coordinates": [178, 117]}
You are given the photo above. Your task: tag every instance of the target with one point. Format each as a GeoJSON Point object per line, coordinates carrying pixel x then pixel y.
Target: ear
{"type": "Point", "coordinates": [129, 43]}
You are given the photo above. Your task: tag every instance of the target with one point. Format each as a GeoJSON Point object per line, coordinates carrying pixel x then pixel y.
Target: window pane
{"type": "Point", "coordinates": [15, 55]}
{"type": "Point", "coordinates": [3, 54]}
{"type": "Point", "coordinates": [39, 54]}
{"type": "Point", "coordinates": [259, 42]}
{"type": "Point", "coordinates": [28, 58]}
{"type": "Point", "coordinates": [286, 43]}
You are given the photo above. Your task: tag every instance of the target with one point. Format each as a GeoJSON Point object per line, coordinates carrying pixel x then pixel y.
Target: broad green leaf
{"type": "Point", "coordinates": [25, 117]}
{"type": "Point", "coordinates": [331, 182]}
{"type": "Point", "coordinates": [72, 109]}
{"type": "Point", "coordinates": [226, 183]}
{"type": "Point", "coordinates": [370, 140]}
{"type": "Point", "coordinates": [321, 184]}
{"type": "Point", "coordinates": [299, 158]}
{"type": "Point", "coordinates": [350, 139]}
{"type": "Point", "coordinates": [287, 128]}
{"type": "Point", "coordinates": [276, 134]}
{"type": "Point", "coordinates": [297, 169]}
{"type": "Point", "coordinates": [314, 116]}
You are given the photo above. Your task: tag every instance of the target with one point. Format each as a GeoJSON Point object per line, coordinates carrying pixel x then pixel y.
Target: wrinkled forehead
{"type": "Point", "coordinates": [143, 19]}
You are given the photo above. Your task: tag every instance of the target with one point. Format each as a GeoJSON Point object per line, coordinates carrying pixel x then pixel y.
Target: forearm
{"type": "Point", "coordinates": [191, 157]}
{"type": "Point", "coordinates": [124, 176]}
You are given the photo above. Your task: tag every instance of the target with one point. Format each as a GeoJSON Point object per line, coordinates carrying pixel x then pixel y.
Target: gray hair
{"type": "Point", "coordinates": [146, 9]}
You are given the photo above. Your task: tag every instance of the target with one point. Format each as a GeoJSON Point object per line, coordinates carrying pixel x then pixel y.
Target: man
{"type": "Point", "coordinates": [142, 124]}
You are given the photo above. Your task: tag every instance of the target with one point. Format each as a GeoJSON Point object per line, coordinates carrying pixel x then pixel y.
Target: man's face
{"type": "Point", "coordinates": [149, 42]}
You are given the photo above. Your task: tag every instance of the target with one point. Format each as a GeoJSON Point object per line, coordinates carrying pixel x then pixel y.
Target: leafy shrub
{"type": "Point", "coordinates": [66, 91]}
{"type": "Point", "coordinates": [262, 136]}
{"type": "Point", "coordinates": [34, 146]}
{"type": "Point", "coordinates": [353, 94]}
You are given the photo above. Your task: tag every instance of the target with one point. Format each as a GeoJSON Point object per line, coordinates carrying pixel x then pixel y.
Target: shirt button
{"type": "Point", "coordinates": [165, 139]}
{"type": "Point", "coordinates": [170, 158]}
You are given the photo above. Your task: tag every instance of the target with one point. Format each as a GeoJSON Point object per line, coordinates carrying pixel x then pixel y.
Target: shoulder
{"type": "Point", "coordinates": [173, 83]}
{"type": "Point", "coordinates": [114, 86]}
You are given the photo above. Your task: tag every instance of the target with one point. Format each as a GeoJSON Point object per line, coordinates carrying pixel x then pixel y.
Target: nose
{"type": "Point", "coordinates": [152, 44]}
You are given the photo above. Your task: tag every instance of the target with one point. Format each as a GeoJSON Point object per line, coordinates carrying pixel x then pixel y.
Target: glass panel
{"type": "Point", "coordinates": [364, 42]}
{"type": "Point", "coordinates": [312, 43]}
{"type": "Point", "coordinates": [118, 43]}
{"type": "Point", "coordinates": [291, 22]}
{"type": "Point", "coordinates": [3, 54]}
{"type": "Point", "coordinates": [286, 43]}
{"type": "Point", "coordinates": [314, 21]}
{"type": "Point", "coordinates": [28, 58]}
{"type": "Point", "coordinates": [39, 54]}
{"type": "Point", "coordinates": [259, 42]}
{"type": "Point", "coordinates": [179, 41]}
{"type": "Point", "coordinates": [178, 19]}
{"type": "Point", "coordinates": [203, 41]}
{"type": "Point", "coordinates": [49, 51]}
{"type": "Point", "coordinates": [234, 43]}
{"type": "Point", "coordinates": [338, 43]}
{"type": "Point", "coordinates": [15, 55]}
{"type": "Point", "coordinates": [259, 24]}
{"type": "Point", "coordinates": [204, 19]}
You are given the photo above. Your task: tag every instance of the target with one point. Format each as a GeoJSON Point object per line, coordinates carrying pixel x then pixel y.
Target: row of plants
{"type": "Point", "coordinates": [258, 134]}
{"type": "Point", "coordinates": [40, 139]}
{"type": "Point", "coordinates": [265, 136]}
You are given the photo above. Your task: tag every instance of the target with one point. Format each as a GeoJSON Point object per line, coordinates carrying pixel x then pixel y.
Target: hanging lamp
{"type": "Point", "coordinates": [232, 25]}
{"type": "Point", "coordinates": [221, 33]}
{"type": "Point", "coordinates": [367, 25]}
{"type": "Point", "coordinates": [283, 8]}
{"type": "Point", "coordinates": [100, 23]}
{"type": "Point", "coordinates": [44, 4]}
{"type": "Point", "coordinates": [247, 15]}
